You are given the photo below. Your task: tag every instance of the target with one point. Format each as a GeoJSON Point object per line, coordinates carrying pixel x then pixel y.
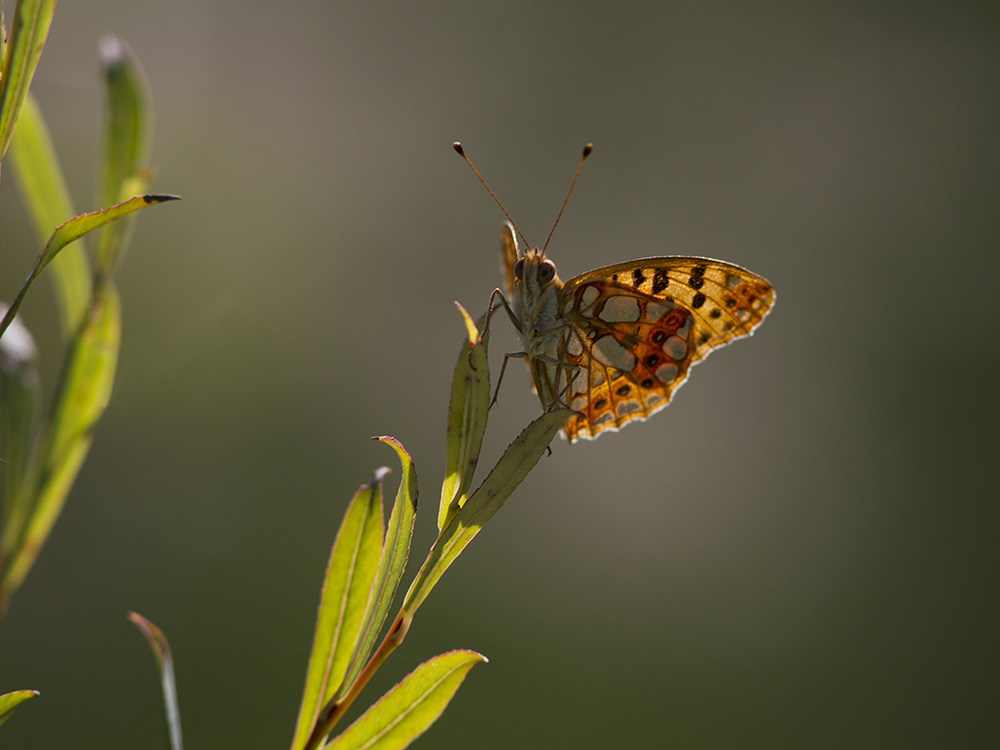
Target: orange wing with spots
{"type": "Point", "coordinates": [633, 330]}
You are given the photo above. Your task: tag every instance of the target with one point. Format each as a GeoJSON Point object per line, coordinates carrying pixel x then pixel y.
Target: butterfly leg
{"type": "Point", "coordinates": [552, 376]}
{"type": "Point", "coordinates": [569, 382]}
{"type": "Point", "coordinates": [503, 368]}
{"type": "Point", "coordinates": [557, 401]}
{"type": "Point", "coordinates": [499, 295]}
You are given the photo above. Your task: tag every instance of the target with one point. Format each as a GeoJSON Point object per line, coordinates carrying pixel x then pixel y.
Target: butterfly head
{"type": "Point", "coordinates": [532, 281]}
{"type": "Point", "coordinates": [534, 271]}
{"type": "Point", "coordinates": [536, 291]}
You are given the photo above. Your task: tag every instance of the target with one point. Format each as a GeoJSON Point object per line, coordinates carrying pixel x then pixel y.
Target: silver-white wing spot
{"type": "Point", "coordinates": [609, 352]}
{"type": "Point", "coordinates": [620, 309]}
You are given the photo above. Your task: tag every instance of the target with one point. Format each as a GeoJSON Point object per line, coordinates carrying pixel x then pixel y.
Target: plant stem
{"type": "Point", "coordinates": [333, 712]}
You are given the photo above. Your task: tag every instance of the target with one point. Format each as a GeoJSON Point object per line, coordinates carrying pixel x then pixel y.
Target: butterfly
{"type": "Point", "coordinates": [615, 343]}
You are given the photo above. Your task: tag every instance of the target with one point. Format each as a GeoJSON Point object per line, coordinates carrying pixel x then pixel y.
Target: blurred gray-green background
{"type": "Point", "coordinates": [799, 552]}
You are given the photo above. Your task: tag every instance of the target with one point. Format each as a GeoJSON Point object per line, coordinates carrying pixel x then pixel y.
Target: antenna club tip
{"type": "Point", "coordinates": [587, 149]}
{"type": "Point", "coordinates": [457, 145]}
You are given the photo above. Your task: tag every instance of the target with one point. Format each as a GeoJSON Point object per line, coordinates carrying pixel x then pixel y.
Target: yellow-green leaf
{"type": "Point", "coordinates": [408, 709]}
{"type": "Point", "coordinates": [390, 567]}
{"type": "Point", "coordinates": [127, 142]}
{"type": "Point", "coordinates": [353, 563]}
{"type": "Point", "coordinates": [73, 230]}
{"type": "Point", "coordinates": [43, 186]}
{"type": "Point", "coordinates": [3, 34]}
{"type": "Point", "coordinates": [467, 412]}
{"type": "Point", "coordinates": [519, 458]}
{"type": "Point", "coordinates": [83, 394]}
{"type": "Point", "coordinates": [30, 27]}
{"type": "Point", "coordinates": [10, 701]}
{"type": "Point", "coordinates": [20, 398]}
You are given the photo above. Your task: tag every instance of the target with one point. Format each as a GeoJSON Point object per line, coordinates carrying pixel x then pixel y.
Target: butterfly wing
{"type": "Point", "coordinates": [634, 329]}
{"type": "Point", "coordinates": [508, 257]}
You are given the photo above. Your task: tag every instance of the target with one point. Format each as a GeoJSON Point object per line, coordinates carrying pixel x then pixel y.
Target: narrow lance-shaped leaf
{"type": "Point", "coordinates": [3, 34]}
{"type": "Point", "coordinates": [73, 230]}
{"type": "Point", "coordinates": [30, 27]}
{"type": "Point", "coordinates": [10, 701]}
{"type": "Point", "coordinates": [127, 142]}
{"type": "Point", "coordinates": [467, 412]}
{"type": "Point", "coordinates": [353, 564]}
{"type": "Point", "coordinates": [43, 186]}
{"type": "Point", "coordinates": [390, 567]}
{"type": "Point", "coordinates": [165, 661]}
{"type": "Point", "coordinates": [408, 709]}
{"type": "Point", "coordinates": [519, 458]}
{"type": "Point", "coordinates": [83, 394]}
{"type": "Point", "coordinates": [20, 398]}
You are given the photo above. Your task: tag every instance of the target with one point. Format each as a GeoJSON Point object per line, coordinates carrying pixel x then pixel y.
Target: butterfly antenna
{"type": "Point", "coordinates": [586, 152]}
{"type": "Point", "coordinates": [461, 152]}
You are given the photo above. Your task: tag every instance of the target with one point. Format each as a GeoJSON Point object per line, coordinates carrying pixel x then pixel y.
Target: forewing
{"type": "Point", "coordinates": [633, 331]}
{"type": "Point", "coordinates": [508, 256]}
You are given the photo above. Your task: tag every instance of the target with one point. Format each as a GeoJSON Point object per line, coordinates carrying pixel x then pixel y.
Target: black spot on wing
{"type": "Point", "coordinates": [697, 280]}
{"type": "Point", "coordinates": [660, 280]}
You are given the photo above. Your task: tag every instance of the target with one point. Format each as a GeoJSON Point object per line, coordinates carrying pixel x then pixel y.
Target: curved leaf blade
{"type": "Point", "coordinates": [467, 412]}
{"type": "Point", "coordinates": [29, 30]}
{"type": "Point", "coordinates": [128, 136]}
{"type": "Point", "coordinates": [46, 195]}
{"type": "Point", "coordinates": [73, 230]}
{"type": "Point", "coordinates": [83, 395]}
{"type": "Point", "coordinates": [519, 458]}
{"type": "Point", "coordinates": [395, 551]}
{"type": "Point", "coordinates": [165, 661]}
{"type": "Point", "coordinates": [409, 708]}
{"type": "Point", "coordinates": [20, 399]}
{"type": "Point", "coordinates": [349, 575]}
{"type": "Point", "coordinates": [10, 701]}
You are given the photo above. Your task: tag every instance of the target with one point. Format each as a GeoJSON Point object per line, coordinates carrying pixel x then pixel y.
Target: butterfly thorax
{"type": "Point", "coordinates": [537, 301]}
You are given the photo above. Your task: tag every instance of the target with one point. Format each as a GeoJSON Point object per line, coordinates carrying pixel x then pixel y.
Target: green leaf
{"type": "Point", "coordinates": [3, 34]}
{"type": "Point", "coordinates": [408, 709]}
{"type": "Point", "coordinates": [519, 458]}
{"type": "Point", "coordinates": [31, 22]}
{"type": "Point", "coordinates": [73, 230]}
{"type": "Point", "coordinates": [467, 412]}
{"type": "Point", "coordinates": [127, 142]}
{"type": "Point", "coordinates": [10, 701]}
{"type": "Point", "coordinates": [20, 398]}
{"type": "Point", "coordinates": [89, 377]}
{"type": "Point", "coordinates": [83, 394]}
{"type": "Point", "coordinates": [390, 566]}
{"type": "Point", "coordinates": [165, 661]}
{"type": "Point", "coordinates": [45, 193]}
{"type": "Point", "coordinates": [353, 564]}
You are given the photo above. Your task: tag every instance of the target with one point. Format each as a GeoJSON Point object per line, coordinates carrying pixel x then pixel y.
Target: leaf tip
{"type": "Point", "coordinates": [470, 325]}
{"type": "Point", "coordinates": [160, 198]}
{"type": "Point", "coordinates": [390, 441]}
{"type": "Point", "coordinates": [112, 51]}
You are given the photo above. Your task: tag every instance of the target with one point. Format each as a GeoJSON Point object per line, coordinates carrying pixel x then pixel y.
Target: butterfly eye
{"type": "Point", "coordinates": [546, 272]}
{"type": "Point", "coordinates": [518, 268]}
